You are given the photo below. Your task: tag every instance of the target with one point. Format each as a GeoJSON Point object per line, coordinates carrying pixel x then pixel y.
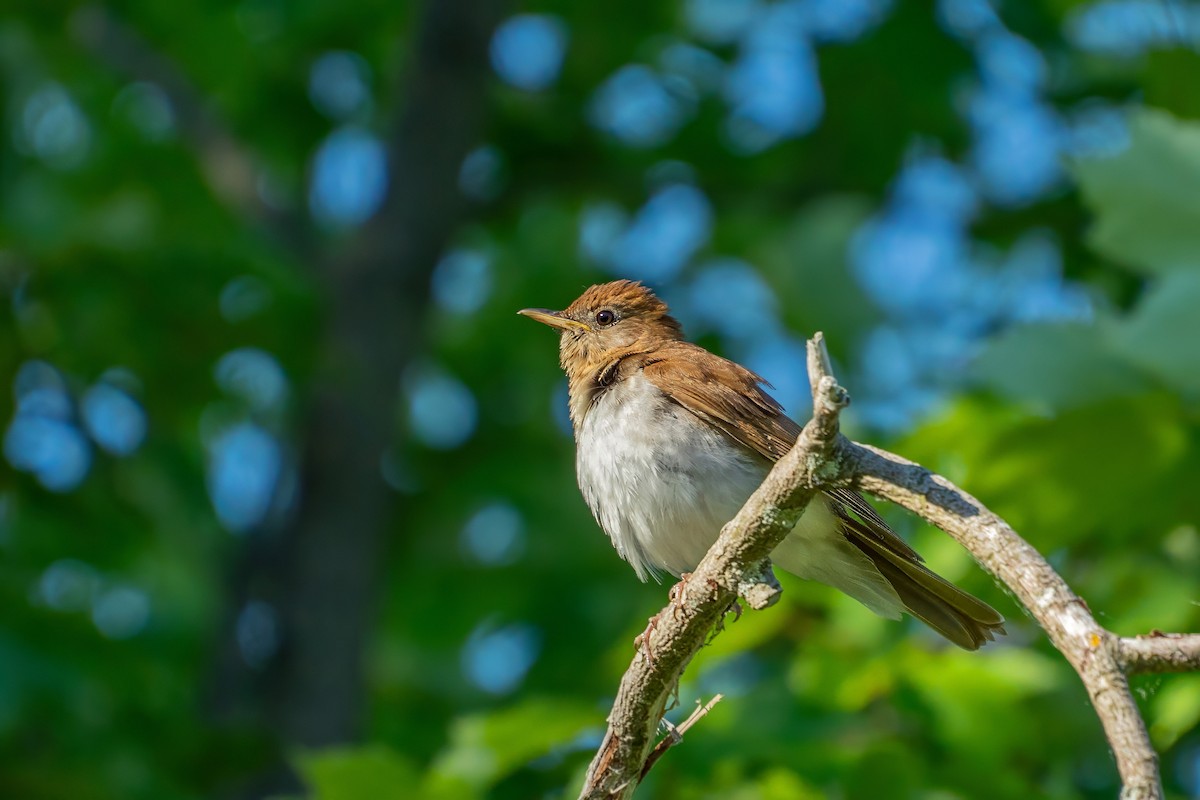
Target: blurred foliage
{"type": "Point", "coordinates": [120, 251]}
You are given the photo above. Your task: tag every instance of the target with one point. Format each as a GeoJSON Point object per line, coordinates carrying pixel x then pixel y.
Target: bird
{"type": "Point", "coordinates": [671, 440]}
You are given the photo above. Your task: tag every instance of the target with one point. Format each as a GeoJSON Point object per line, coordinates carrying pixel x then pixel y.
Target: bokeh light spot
{"type": "Point", "coordinates": [933, 188]}
{"type": "Point", "coordinates": [910, 265]}
{"type": "Point", "coordinates": [666, 232]}
{"type": "Point", "coordinates": [730, 297]}
{"type": "Point", "coordinates": [779, 358]}
{"type": "Point", "coordinates": [527, 50]}
{"type": "Point", "coordinates": [640, 107]}
{"type": "Point", "coordinates": [967, 18]}
{"type": "Point", "coordinates": [720, 21]}
{"type": "Point", "coordinates": [1128, 28]}
{"type": "Point", "coordinates": [1010, 62]}
{"type": "Point", "coordinates": [56, 452]}
{"type": "Point", "coordinates": [68, 585]}
{"type": "Point", "coordinates": [114, 420]}
{"type": "Point", "coordinates": [121, 612]}
{"type": "Point", "coordinates": [773, 89]}
{"type": "Point", "coordinates": [54, 128]}
{"type": "Point", "coordinates": [441, 409]}
{"type": "Point", "coordinates": [338, 84]}
{"type": "Point", "coordinates": [481, 176]}
{"type": "Point", "coordinates": [1032, 288]}
{"type": "Point", "coordinates": [843, 20]}
{"type": "Point", "coordinates": [244, 466]}
{"type": "Point", "coordinates": [254, 376]}
{"type": "Point", "coordinates": [349, 177]}
{"type": "Point", "coordinates": [1017, 152]}
{"type": "Point", "coordinates": [462, 281]}
{"type": "Point", "coordinates": [494, 535]}
{"type": "Point", "coordinates": [42, 438]}
{"type": "Point", "coordinates": [497, 659]}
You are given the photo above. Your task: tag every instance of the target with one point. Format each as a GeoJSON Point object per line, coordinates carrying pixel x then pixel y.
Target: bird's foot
{"type": "Point", "coordinates": [642, 640]}
{"type": "Point", "coordinates": [675, 594]}
{"type": "Point", "coordinates": [734, 608]}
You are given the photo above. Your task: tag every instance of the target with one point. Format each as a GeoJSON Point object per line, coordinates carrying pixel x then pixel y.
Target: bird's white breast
{"type": "Point", "coordinates": [659, 481]}
{"type": "Point", "coordinates": [662, 483]}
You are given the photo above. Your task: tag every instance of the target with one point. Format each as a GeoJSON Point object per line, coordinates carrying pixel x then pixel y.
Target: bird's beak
{"type": "Point", "coordinates": [554, 319]}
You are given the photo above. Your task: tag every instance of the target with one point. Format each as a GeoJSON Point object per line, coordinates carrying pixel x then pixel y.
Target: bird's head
{"type": "Point", "coordinates": [607, 321]}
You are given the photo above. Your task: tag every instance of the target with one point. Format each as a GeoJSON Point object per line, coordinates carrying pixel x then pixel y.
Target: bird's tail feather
{"type": "Point", "coordinates": [960, 617]}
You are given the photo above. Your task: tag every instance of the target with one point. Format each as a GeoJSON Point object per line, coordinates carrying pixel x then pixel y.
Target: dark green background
{"type": "Point", "coordinates": [1082, 435]}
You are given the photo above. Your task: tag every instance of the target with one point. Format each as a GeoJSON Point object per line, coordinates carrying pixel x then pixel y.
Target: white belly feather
{"type": "Point", "coordinates": [662, 484]}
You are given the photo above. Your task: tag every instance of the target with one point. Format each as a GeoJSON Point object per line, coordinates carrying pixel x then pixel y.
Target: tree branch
{"type": "Point", "coordinates": [821, 459]}
{"type": "Point", "coordinates": [1089, 648]}
{"type": "Point", "coordinates": [1159, 652]}
{"type": "Point", "coordinates": [677, 633]}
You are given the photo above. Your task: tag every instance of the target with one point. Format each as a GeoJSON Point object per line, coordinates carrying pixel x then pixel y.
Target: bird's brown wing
{"type": "Point", "coordinates": [731, 398]}
{"type": "Point", "coordinates": [725, 394]}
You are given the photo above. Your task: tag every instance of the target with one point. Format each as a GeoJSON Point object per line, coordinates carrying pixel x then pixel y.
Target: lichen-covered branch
{"type": "Point", "coordinates": [737, 564]}
{"type": "Point", "coordinates": [736, 561]}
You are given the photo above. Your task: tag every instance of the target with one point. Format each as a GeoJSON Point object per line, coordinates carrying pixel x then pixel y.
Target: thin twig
{"type": "Point", "coordinates": [675, 733]}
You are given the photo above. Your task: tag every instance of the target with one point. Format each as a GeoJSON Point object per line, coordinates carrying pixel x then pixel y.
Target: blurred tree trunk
{"type": "Point", "coordinates": [322, 574]}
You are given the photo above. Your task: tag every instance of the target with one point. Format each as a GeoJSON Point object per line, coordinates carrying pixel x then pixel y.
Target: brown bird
{"type": "Point", "coordinates": [671, 440]}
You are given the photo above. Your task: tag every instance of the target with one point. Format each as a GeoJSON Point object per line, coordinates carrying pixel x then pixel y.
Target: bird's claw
{"type": "Point", "coordinates": [675, 594]}
{"type": "Point", "coordinates": [642, 640]}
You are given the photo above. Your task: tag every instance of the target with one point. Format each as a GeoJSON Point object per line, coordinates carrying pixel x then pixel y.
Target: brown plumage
{"type": "Point", "coordinates": [660, 421]}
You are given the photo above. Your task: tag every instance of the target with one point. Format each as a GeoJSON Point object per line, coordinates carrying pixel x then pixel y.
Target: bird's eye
{"type": "Point", "coordinates": [605, 317]}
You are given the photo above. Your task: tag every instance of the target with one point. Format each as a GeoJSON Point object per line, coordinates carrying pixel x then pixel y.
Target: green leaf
{"type": "Point", "coordinates": [973, 694]}
{"type": "Point", "coordinates": [355, 773]}
{"type": "Point", "coordinates": [1162, 333]}
{"type": "Point", "coordinates": [806, 263]}
{"type": "Point", "coordinates": [485, 747]}
{"type": "Point", "coordinates": [1064, 479]}
{"type": "Point", "coordinates": [1175, 710]}
{"type": "Point", "coordinates": [1056, 366]}
{"type": "Point", "coordinates": [1147, 215]}
{"type": "Point", "coordinates": [779, 783]}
